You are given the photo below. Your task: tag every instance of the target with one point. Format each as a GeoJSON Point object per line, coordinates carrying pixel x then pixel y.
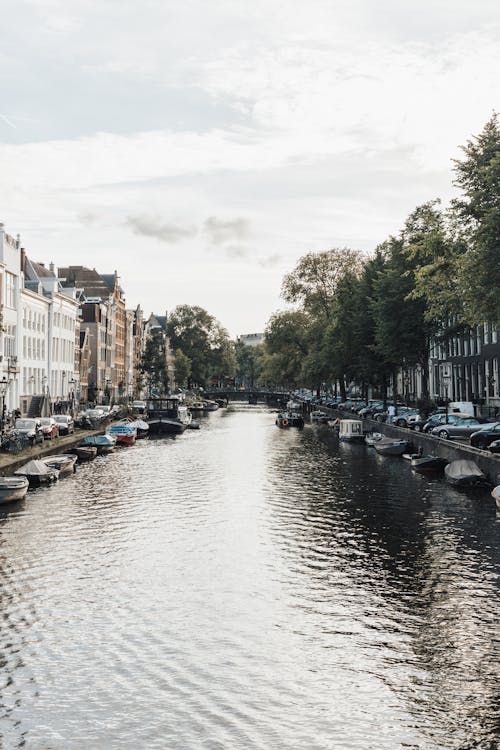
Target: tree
{"type": "Point", "coordinates": [153, 365]}
{"type": "Point", "coordinates": [249, 363]}
{"type": "Point", "coordinates": [478, 175]}
{"type": "Point", "coordinates": [203, 340]}
{"type": "Point", "coordinates": [182, 367]}
{"type": "Point", "coordinates": [286, 342]}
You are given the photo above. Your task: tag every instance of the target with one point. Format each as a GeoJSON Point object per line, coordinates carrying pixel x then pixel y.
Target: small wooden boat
{"type": "Point", "coordinates": [84, 452]}
{"type": "Point", "coordinates": [65, 463]}
{"type": "Point", "coordinates": [495, 494]}
{"type": "Point", "coordinates": [125, 433]}
{"type": "Point", "coordinates": [388, 447]}
{"type": "Point", "coordinates": [210, 405]}
{"type": "Point", "coordinates": [373, 437]}
{"type": "Point", "coordinates": [424, 464]}
{"type": "Point", "coordinates": [195, 406]}
{"type": "Point", "coordinates": [103, 443]}
{"type": "Point", "coordinates": [38, 473]}
{"type": "Point", "coordinates": [464, 473]}
{"type": "Point", "coordinates": [13, 488]}
{"type": "Point", "coordinates": [351, 431]}
{"type": "Point", "coordinates": [289, 419]}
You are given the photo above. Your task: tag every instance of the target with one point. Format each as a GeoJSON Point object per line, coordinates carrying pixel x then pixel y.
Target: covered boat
{"type": "Point", "coordinates": [13, 488]}
{"type": "Point", "coordinates": [464, 473]}
{"type": "Point", "coordinates": [167, 416]}
{"type": "Point", "coordinates": [388, 447]}
{"type": "Point", "coordinates": [289, 419]}
{"type": "Point", "coordinates": [102, 443]}
{"type": "Point", "coordinates": [37, 473]}
{"type": "Point", "coordinates": [141, 428]}
{"type": "Point", "coordinates": [124, 432]}
{"type": "Point", "coordinates": [65, 463]}
{"type": "Point", "coordinates": [425, 464]}
{"type": "Point", "coordinates": [351, 431]}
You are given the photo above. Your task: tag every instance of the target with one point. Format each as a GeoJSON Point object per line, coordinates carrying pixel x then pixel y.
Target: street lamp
{"type": "Point", "coordinates": [4, 387]}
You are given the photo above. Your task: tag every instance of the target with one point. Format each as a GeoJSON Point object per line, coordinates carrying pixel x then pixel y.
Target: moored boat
{"type": "Point", "coordinates": [37, 473]}
{"type": "Point", "coordinates": [141, 428]}
{"type": "Point", "coordinates": [289, 419]}
{"type": "Point", "coordinates": [102, 443]}
{"type": "Point", "coordinates": [464, 473]}
{"type": "Point", "coordinates": [84, 452]}
{"type": "Point", "coordinates": [429, 463]}
{"type": "Point", "coordinates": [495, 494]}
{"type": "Point", "coordinates": [373, 437]}
{"type": "Point", "coordinates": [388, 447]}
{"type": "Point", "coordinates": [124, 432]}
{"type": "Point", "coordinates": [167, 416]}
{"type": "Point", "coordinates": [65, 463]}
{"type": "Point", "coordinates": [351, 431]}
{"type": "Point", "coordinates": [13, 488]}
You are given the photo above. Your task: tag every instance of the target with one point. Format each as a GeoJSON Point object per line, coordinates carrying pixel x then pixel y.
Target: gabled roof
{"type": "Point", "coordinates": [88, 279]}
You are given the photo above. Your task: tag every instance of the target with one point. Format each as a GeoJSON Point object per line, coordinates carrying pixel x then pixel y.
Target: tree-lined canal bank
{"type": "Point", "coordinates": [243, 586]}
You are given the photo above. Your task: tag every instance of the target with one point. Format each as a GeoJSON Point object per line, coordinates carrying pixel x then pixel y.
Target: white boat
{"type": "Point", "coordinates": [351, 430]}
{"type": "Point", "coordinates": [464, 473]}
{"type": "Point", "coordinates": [13, 488]}
{"type": "Point", "coordinates": [388, 447]}
{"type": "Point", "coordinates": [373, 437]}
{"type": "Point", "coordinates": [495, 493]}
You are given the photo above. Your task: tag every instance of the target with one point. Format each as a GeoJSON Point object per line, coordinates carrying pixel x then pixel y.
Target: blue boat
{"type": "Point", "coordinates": [124, 433]}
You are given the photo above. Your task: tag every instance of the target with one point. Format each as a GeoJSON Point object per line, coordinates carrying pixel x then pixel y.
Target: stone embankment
{"type": "Point", "coordinates": [9, 462]}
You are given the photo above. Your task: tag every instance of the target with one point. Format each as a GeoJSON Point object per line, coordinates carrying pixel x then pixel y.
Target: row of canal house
{"type": "Point", "coordinates": [465, 368]}
{"type": "Point", "coordinates": [66, 336]}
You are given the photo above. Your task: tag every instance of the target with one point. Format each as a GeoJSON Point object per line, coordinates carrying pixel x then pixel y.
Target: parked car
{"type": "Point", "coordinates": [461, 428]}
{"type": "Point", "coordinates": [494, 447]}
{"type": "Point", "coordinates": [487, 434]}
{"type": "Point", "coordinates": [437, 419]}
{"type": "Point", "coordinates": [50, 428]}
{"type": "Point", "coordinates": [31, 427]}
{"type": "Point", "coordinates": [403, 417]}
{"type": "Point", "coordinates": [65, 423]}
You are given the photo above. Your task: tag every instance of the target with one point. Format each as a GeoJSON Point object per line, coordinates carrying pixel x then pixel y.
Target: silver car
{"type": "Point", "coordinates": [461, 428]}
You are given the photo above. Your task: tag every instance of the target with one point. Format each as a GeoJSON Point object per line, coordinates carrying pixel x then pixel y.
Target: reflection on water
{"type": "Point", "coordinates": [248, 587]}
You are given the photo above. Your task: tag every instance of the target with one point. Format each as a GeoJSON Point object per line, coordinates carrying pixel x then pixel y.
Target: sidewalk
{"type": "Point", "coordinates": [9, 462]}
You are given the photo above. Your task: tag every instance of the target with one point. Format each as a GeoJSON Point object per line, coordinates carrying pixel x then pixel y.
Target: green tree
{"type": "Point", "coordinates": [203, 340]}
{"type": "Point", "coordinates": [478, 210]}
{"type": "Point", "coordinates": [249, 363]}
{"type": "Point", "coordinates": [153, 365]}
{"type": "Point", "coordinates": [182, 367]}
{"type": "Point", "coordinates": [286, 342]}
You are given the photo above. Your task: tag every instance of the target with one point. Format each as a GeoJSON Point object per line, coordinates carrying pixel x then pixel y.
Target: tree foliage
{"type": "Point", "coordinates": [203, 341]}
{"type": "Point", "coordinates": [153, 365]}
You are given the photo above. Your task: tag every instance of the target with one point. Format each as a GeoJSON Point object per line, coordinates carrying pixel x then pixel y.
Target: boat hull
{"type": "Point", "coordinates": [393, 448]}
{"type": "Point", "coordinates": [463, 473]}
{"type": "Point", "coordinates": [424, 464]}
{"type": "Point", "coordinates": [12, 489]}
{"type": "Point", "coordinates": [166, 427]}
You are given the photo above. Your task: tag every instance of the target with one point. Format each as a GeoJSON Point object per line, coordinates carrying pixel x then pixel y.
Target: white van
{"type": "Point", "coordinates": [461, 407]}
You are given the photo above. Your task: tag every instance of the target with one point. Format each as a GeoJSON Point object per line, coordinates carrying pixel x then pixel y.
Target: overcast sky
{"type": "Point", "coordinates": [200, 148]}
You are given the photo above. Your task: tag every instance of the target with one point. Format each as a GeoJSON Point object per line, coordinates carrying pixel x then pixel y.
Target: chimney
{"type": "Point", "coordinates": [51, 267]}
{"type": "Point", "coordinates": [23, 260]}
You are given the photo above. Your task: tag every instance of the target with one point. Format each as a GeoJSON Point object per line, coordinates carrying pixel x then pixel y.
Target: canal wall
{"type": "Point", "coordinates": [9, 462]}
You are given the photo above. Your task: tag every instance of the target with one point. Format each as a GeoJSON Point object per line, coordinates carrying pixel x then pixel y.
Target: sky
{"type": "Point", "coordinates": [200, 149]}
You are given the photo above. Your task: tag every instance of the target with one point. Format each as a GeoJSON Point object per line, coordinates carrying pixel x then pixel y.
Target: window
{"type": "Point", "coordinates": [10, 289]}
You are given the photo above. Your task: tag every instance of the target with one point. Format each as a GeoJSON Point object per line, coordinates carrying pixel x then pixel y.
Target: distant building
{"type": "Point", "coordinates": [251, 339]}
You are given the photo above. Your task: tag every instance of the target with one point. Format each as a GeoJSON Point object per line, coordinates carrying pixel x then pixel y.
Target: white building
{"type": "Point", "coordinates": [48, 321]}
{"type": "Point", "coordinates": [10, 283]}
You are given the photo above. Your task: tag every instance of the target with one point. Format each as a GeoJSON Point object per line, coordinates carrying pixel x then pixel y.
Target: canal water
{"type": "Point", "coordinates": [245, 587]}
